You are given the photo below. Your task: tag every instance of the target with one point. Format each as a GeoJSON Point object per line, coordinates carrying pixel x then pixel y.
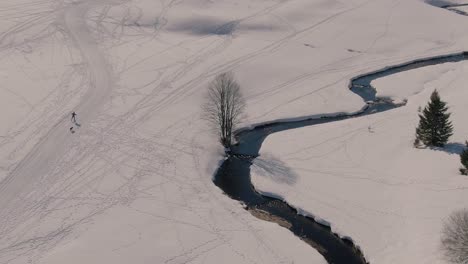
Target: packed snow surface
{"type": "Point", "coordinates": [133, 184]}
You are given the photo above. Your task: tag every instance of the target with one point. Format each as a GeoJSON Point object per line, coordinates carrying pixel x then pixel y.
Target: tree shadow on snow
{"type": "Point", "coordinates": [204, 26]}
{"type": "Point", "coordinates": [275, 169]}
{"type": "Point", "coordinates": [451, 148]}
{"type": "Point", "coordinates": [438, 3]}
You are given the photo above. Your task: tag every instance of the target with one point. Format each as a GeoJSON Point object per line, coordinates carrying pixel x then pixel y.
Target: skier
{"type": "Point", "coordinates": [73, 118]}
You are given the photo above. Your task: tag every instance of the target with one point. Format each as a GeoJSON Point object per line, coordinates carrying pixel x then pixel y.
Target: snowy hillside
{"type": "Point", "coordinates": [133, 184]}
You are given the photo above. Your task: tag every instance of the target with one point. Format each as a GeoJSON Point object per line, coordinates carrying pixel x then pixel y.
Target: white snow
{"type": "Point", "coordinates": [133, 184]}
{"type": "Point", "coordinates": [373, 186]}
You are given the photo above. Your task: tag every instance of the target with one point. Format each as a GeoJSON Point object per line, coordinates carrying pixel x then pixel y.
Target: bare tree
{"type": "Point", "coordinates": [455, 237]}
{"type": "Point", "coordinates": [224, 106]}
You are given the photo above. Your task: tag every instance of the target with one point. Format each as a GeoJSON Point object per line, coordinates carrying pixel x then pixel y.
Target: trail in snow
{"type": "Point", "coordinates": [41, 203]}
{"type": "Point", "coordinates": [22, 197]}
{"type": "Point", "coordinates": [19, 194]}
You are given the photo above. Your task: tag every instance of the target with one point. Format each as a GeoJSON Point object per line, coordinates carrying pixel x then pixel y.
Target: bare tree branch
{"type": "Point", "coordinates": [224, 106]}
{"type": "Point", "coordinates": [455, 237]}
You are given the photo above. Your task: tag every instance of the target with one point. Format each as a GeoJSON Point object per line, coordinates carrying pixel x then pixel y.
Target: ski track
{"type": "Point", "coordinates": [36, 187]}
{"type": "Point", "coordinates": [22, 192]}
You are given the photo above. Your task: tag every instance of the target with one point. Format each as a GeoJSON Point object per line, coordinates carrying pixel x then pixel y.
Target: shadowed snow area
{"type": "Point", "coordinates": [452, 148]}
{"type": "Point", "coordinates": [274, 169]}
{"type": "Point", "coordinates": [213, 26]}
{"type": "Point", "coordinates": [204, 26]}
{"type": "Point", "coordinates": [444, 3]}
{"type": "Point", "coordinates": [133, 184]}
{"type": "Point", "coordinates": [439, 3]}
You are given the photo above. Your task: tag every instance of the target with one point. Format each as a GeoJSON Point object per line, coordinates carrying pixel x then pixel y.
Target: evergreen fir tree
{"type": "Point", "coordinates": [434, 127]}
{"type": "Point", "coordinates": [464, 160]}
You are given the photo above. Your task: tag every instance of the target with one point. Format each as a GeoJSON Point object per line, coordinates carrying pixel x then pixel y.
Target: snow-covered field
{"type": "Point", "coordinates": [133, 184]}
{"type": "Point", "coordinates": [372, 185]}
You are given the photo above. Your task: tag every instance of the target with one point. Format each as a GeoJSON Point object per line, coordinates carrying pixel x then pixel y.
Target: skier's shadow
{"type": "Point", "coordinates": [78, 125]}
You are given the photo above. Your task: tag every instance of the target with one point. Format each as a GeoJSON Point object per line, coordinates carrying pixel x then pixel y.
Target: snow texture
{"type": "Point", "coordinates": [133, 184]}
{"type": "Point", "coordinates": [372, 184]}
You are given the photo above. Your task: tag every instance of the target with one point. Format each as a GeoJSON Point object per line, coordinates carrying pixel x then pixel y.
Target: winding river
{"type": "Point", "coordinates": [233, 177]}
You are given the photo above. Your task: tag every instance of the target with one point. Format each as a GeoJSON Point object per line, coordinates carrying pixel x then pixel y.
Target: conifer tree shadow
{"type": "Point", "coordinates": [270, 167]}
{"type": "Point", "coordinates": [451, 148]}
